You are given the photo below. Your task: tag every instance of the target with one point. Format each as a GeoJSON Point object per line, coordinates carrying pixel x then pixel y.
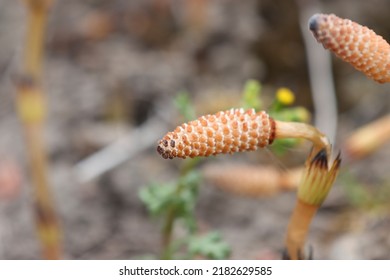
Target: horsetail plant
{"type": "Point", "coordinates": [368, 53]}
{"type": "Point", "coordinates": [353, 43]}
{"type": "Point", "coordinates": [31, 109]}
{"type": "Point", "coordinates": [238, 130]}
{"type": "Point", "coordinates": [316, 182]}
{"type": "Point", "coordinates": [234, 130]}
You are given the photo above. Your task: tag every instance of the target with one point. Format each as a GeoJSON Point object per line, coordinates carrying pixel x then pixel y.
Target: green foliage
{"type": "Point", "coordinates": [159, 199]}
{"type": "Point", "coordinates": [251, 95]}
{"type": "Point", "coordinates": [180, 198]}
{"type": "Point", "coordinates": [210, 245]}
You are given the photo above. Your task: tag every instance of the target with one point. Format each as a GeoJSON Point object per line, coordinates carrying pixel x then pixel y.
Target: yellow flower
{"type": "Point", "coordinates": [285, 96]}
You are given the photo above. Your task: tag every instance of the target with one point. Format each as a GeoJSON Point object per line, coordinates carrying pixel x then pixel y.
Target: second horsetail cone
{"type": "Point", "coordinates": [353, 43]}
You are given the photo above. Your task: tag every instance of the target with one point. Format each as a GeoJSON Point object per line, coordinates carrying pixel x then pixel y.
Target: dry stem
{"type": "Point", "coordinates": [32, 114]}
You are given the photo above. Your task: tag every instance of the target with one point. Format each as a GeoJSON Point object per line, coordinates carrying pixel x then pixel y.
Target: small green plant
{"type": "Point", "coordinates": [175, 202]}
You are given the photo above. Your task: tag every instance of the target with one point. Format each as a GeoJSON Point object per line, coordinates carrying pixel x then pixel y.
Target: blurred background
{"type": "Point", "coordinates": [111, 72]}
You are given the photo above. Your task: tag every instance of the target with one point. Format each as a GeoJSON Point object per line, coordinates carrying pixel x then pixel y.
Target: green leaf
{"type": "Point", "coordinates": [187, 199]}
{"type": "Point", "coordinates": [183, 104]}
{"type": "Point", "coordinates": [182, 196]}
{"type": "Point", "coordinates": [210, 246]}
{"type": "Point", "coordinates": [251, 95]}
{"type": "Point", "coordinates": [157, 197]}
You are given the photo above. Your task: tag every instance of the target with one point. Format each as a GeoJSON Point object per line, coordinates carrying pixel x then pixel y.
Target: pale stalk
{"type": "Point", "coordinates": [305, 131]}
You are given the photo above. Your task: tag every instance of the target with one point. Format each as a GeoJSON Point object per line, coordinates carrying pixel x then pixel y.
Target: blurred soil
{"type": "Point", "coordinates": [111, 66]}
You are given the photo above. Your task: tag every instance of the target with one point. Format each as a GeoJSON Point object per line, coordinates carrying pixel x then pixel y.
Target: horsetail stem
{"type": "Point", "coordinates": [231, 131]}
{"type": "Point", "coordinates": [316, 182]}
{"type": "Point", "coordinates": [32, 113]}
{"type": "Point", "coordinates": [353, 43]}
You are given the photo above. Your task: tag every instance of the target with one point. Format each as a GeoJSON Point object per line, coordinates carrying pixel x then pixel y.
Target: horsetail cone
{"type": "Point", "coordinates": [231, 131]}
{"type": "Point", "coordinates": [353, 43]}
